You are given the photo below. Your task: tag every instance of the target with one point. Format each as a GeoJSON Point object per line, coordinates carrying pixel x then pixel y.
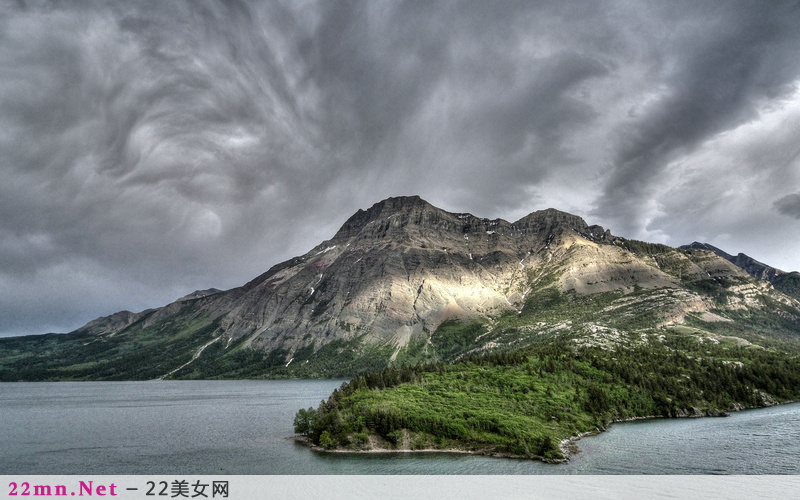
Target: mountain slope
{"type": "Point", "coordinates": [753, 267]}
{"type": "Point", "coordinates": [396, 284]}
{"type": "Point", "coordinates": [788, 283]}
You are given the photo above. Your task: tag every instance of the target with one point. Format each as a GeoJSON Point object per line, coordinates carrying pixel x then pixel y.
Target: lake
{"type": "Point", "coordinates": [240, 427]}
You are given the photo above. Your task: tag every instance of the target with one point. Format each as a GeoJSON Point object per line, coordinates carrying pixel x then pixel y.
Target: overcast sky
{"type": "Point", "coordinates": [151, 148]}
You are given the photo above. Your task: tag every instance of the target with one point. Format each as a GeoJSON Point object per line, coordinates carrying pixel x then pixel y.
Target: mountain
{"type": "Point", "coordinates": [753, 267]}
{"type": "Point", "coordinates": [397, 283]}
{"type": "Point", "coordinates": [788, 283]}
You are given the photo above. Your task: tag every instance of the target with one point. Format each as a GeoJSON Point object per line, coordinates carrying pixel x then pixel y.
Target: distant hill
{"type": "Point", "coordinates": [788, 283]}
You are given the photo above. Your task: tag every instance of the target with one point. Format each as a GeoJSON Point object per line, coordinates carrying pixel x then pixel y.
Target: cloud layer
{"type": "Point", "coordinates": [148, 149]}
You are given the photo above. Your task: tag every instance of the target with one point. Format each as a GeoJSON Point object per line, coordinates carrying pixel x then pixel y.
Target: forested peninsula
{"type": "Point", "coordinates": [531, 402]}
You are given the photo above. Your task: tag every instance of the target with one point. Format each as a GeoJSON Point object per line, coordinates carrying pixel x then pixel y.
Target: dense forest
{"type": "Point", "coordinates": [523, 403]}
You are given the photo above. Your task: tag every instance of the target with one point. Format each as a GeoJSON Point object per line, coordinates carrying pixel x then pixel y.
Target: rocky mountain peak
{"type": "Point", "coordinates": [550, 221]}
{"type": "Point", "coordinates": [409, 207]}
{"type": "Point", "coordinates": [404, 211]}
{"type": "Point", "coordinates": [551, 218]}
{"type": "Point", "coordinates": [753, 267]}
{"type": "Point", "coordinates": [696, 245]}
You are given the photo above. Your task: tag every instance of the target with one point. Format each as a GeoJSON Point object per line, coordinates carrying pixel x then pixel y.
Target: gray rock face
{"type": "Point", "coordinates": [753, 267]}
{"type": "Point", "coordinates": [396, 271]}
{"type": "Point", "coordinates": [399, 269]}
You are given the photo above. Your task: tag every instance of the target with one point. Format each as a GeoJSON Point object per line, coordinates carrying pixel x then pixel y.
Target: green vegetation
{"type": "Point", "coordinates": [789, 284]}
{"type": "Point", "coordinates": [147, 349]}
{"type": "Point", "coordinates": [643, 248]}
{"type": "Point", "coordinates": [336, 359]}
{"type": "Point", "coordinates": [524, 402]}
{"type": "Point", "coordinates": [452, 338]}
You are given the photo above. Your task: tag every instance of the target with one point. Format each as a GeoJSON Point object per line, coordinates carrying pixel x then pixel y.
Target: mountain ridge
{"type": "Point", "coordinates": [384, 287]}
{"type": "Point", "coordinates": [786, 282]}
{"type": "Point", "coordinates": [753, 267]}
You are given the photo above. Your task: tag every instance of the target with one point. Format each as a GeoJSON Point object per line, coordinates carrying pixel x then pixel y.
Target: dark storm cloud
{"type": "Point", "coordinates": [150, 148]}
{"type": "Point", "coordinates": [453, 92]}
{"type": "Point", "coordinates": [142, 137]}
{"type": "Point", "coordinates": [789, 205]}
{"type": "Point", "coordinates": [712, 67]}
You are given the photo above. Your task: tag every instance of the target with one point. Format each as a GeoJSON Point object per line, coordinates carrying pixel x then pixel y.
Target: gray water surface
{"type": "Point", "coordinates": [241, 427]}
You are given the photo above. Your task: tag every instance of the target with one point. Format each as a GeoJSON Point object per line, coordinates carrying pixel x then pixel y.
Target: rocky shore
{"type": "Point", "coordinates": [379, 445]}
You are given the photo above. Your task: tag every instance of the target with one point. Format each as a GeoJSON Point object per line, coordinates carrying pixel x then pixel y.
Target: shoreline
{"type": "Point", "coordinates": [388, 451]}
{"type": "Point", "coordinates": [568, 446]}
